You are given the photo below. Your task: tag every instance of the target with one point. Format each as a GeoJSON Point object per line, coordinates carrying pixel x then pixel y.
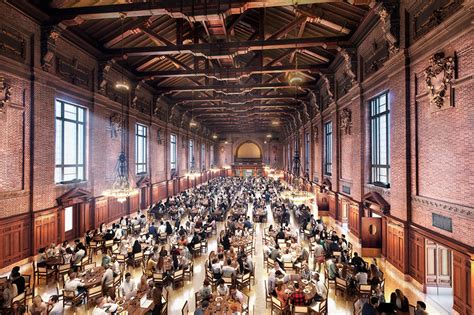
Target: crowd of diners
{"type": "Point", "coordinates": [163, 241]}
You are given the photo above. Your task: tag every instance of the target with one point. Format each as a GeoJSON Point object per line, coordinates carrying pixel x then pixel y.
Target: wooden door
{"type": "Point", "coordinates": [371, 236]}
{"type": "Point", "coordinates": [70, 222]}
{"type": "Point", "coordinates": [438, 265]}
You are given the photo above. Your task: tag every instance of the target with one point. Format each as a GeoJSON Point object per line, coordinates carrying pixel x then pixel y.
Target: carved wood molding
{"type": "Point", "coordinates": [439, 76]}
{"type": "Point", "coordinates": [5, 93]}
{"type": "Point", "coordinates": [388, 13]}
{"type": "Point", "coordinates": [49, 36]}
{"type": "Point", "coordinates": [444, 206]}
{"type": "Point", "coordinates": [104, 69]}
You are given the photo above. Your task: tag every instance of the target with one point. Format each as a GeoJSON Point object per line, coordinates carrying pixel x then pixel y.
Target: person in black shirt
{"type": "Point", "coordinates": [280, 235]}
{"type": "Point", "coordinates": [357, 261]}
{"type": "Point", "coordinates": [226, 242]}
{"type": "Point", "coordinates": [109, 235]}
{"type": "Point", "coordinates": [17, 279]}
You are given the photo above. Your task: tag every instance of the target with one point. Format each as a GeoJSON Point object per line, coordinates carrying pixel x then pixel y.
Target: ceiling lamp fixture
{"type": "Point", "coordinates": [269, 136]}
{"type": "Point", "coordinates": [214, 136]}
{"type": "Point", "coordinates": [192, 123]}
{"type": "Point", "coordinates": [122, 84]}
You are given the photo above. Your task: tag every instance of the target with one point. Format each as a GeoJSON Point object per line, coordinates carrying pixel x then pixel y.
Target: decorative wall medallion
{"type": "Point", "coordinates": [5, 93]}
{"type": "Point", "coordinates": [439, 75]}
{"type": "Point", "coordinates": [346, 120]}
{"type": "Point", "coordinates": [116, 124]}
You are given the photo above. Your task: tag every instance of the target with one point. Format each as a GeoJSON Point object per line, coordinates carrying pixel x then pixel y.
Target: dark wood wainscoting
{"type": "Point", "coordinates": [101, 211]}
{"type": "Point", "coordinates": [354, 222]}
{"type": "Point", "coordinates": [395, 251]}
{"type": "Point", "coordinates": [45, 227]}
{"type": "Point", "coordinates": [15, 235]}
{"type": "Point", "coordinates": [463, 282]}
{"type": "Point", "coordinates": [416, 263]}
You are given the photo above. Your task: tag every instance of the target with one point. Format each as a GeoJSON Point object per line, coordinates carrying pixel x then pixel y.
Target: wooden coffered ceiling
{"type": "Point", "coordinates": [225, 62]}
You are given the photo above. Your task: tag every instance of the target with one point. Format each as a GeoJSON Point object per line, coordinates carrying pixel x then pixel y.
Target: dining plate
{"type": "Point", "coordinates": [306, 291]}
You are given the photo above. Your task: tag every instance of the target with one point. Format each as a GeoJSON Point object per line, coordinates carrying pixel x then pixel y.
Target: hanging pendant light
{"type": "Point", "coordinates": [121, 187]}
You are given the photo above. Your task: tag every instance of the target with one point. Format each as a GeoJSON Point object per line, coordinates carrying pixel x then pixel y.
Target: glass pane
{"type": "Point", "coordinates": [80, 173]}
{"type": "Point", "coordinates": [57, 175]}
{"type": "Point", "coordinates": [81, 112]}
{"type": "Point", "coordinates": [70, 145]}
{"type": "Point", "coordinates": [69, 173]}
{"type": "Point", "coordinates": [68, 219]}
{"type": "Point", "coordinates": [59, 146]}
{"type": "Point", "coordinates": [80, 144]}
{"type": "Point", "coordinates": [70, 111]}
{"type": "Point", "coordinates": [58, 109]}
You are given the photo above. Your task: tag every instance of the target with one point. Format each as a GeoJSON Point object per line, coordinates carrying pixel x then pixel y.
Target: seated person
{"type": "Point", "coordinates": [298, 297]}
{"type": "Point", "coordinates": [222, 289]}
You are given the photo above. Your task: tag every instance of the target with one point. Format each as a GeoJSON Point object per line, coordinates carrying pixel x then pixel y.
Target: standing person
{"type": "Point", "coordinates": [56, 307]}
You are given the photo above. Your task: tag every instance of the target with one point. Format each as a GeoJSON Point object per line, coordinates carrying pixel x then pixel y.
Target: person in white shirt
{"type": "Point", "coordinates": [114, 265]}
{"type": "Point", "coordinates": [56, 306]}
{"type": "Point", "coordinates": [361, 277]}
{"type": "Point", "coordinates": [99, 308]}
{"type": "Point", "coordinates": [228, 271]}
{"type": "Point", "coordinates": [78, 256]}
{"type": "Point", "coordinates": [287, 257]}
{"type": "Point", "coordinates": [108, 277]}
{"type": "Point", "coordinates": [222, 289]}
{"type": "Point", "coordinates": [236, 294]}
{"type": "Point", "coordinates": [74, 284]}
{"type": "Point", "coordinates": [162, 228]}
{"type": "Point", "coordinates": [118, 233]}
{"type": "Point", "coordinates": [128, 286]}
{"type": "Point", "coordinates": [320, 288]}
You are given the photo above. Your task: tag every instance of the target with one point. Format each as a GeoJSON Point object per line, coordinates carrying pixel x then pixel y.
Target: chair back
{"type": "Point", "coordinates": [365, 288]}
{"type": "Point", "coordinates": [69, 294]}
{"type": "Point", "coordinates": [300, 309]}
{"type": "Point", "coordinates": [185, 309]}
{"type": "Point", "coordinates": [89, 266]}
{"type": "Point", "coordinates": [109, 243]}
{"type": "Point", "coordinates": [276, 303]}
{"type": "Point", "coordinates": [138, 256]}
{"type": "Point", "coordinates": [20, 298]}
{"type": "Point", "coordinates": [178, 273]}
{"type": "Point", "coordinates": [341, 282]}
{"type": "Point", "coordinates": [94, 291]}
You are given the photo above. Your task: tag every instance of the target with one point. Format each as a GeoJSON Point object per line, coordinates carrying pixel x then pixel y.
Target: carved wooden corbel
{"type": "Point", "coordinates": [346, 120]}
{"type": "Point", "coordinates": [135, 93]}
{"type": "Point", "coordinates": [49, 36]}
{"type": "Point", "coordinates": [315, 134]}
{"type": "Point", "coordinates": [5, 93]}
{"type": "Point", "coordinates": [313, 102]}
{"type": "Point", "coordinates": [349, 68]}
{"type": "Point", "coordinates": [439, 75]}
{"type": "Point", "coordinates": [328, 86]}
{"type": "Point", "coordinates": [104, 69]}
{"type": "Point", "coordinates": [388, 14]}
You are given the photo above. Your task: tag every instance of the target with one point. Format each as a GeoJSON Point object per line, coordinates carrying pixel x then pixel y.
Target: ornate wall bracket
{"type": "Point", "coordinates": [346, 120]}
{"type": "Point", "coordinates": [49, 36]}
{"type": "Point", "coordinates": [349, 64]}
{"type": "Point", "coordinates": [104, 69]}
{"type": "Point", "coordinates": [5, 93]}
{"type": "Point", "coordinates": [389, 17]}
{"type": "Point", "coordinates": [439, 76]}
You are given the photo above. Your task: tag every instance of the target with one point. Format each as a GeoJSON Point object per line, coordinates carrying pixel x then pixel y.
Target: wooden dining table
{"type": "Point", "coordinates": [308, 288]}
{"type": "Point", "coordinates": [223, 305]}
{"type": "Point", "coordinates": [132, 306]}
{"type": "Point", "coordinates": [92, 277]}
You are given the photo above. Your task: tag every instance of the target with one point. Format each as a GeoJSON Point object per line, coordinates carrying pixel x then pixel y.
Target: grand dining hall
{"type": "Point", "coordinates": [236, 157]}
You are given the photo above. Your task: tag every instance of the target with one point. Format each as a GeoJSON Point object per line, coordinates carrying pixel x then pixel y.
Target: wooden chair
{"type": "Point", "coordinates": [108, 245]}
{"type": "Point", "coordinates": [297, 309]}
{"type": "Point", "coordinates": [288, 266]}
{"type": "Point", "coordinates": [29, 291]}
{"type": "Point", "coordinates": [196, 249]}
{"type": "Point", "coordinates": [341, 285]}
{"type": "Point", "coordinates": [164, 309]}
{"type": "Point", "coordinates": [185, 309]}
{"type": "Point", "coordinates": [93, 293]}
{"type": "Point", "coordinates": [227, 280]}
{"type": "Point", "coordinates": [122, 261]}
{"type": "Point", "coordinates": [244, 281]}
{"type": "Point", "coordinates": [177, 277]}
{"type": "Point", "coordinates": [319, 308]}
{"type": "Point", "coordinates": [188, 272]}
{"type": "Point", "coordinates": [20, 298]}
{"type": "Point", "coordinates": [158, 278]}
{"type": "Point", "coordinates": [204, 246]}
{"type": "Point", "coordinates": [245, 303]}
{"type": "Point", "coordinates": [197, 299]}
{"type": "Point", "coordinates": [268, 297]}
{"type": "Point", "coordinates": [277, 306]}
{"type": "Point", "coordinates": [163, 238]}
{"type": "Point", "coordinates": [70, 297]}
{"type": "Point", "coordinates": [62, 270]}
{"type": "Point", "coordinates": [43, 272]}
{"type": "Point", "coordinates": [115, 249]}
{"type": "Point", "coordinates": [89, 266]}
{"type": "Point", "coordinates": [364, 290]}
{"type": "Point", "coordinates": [270, 263]}
{"type": "Point", "coordinates": [93, 247]}
{"type": "Point", "coordinates": [137, 259]}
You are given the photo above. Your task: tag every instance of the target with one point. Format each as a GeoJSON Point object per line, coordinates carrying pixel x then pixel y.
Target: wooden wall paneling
{"type": "Point", "coordinates": [14, 239]}
{"type": "Point", "coordinates": [354, 220]}
{"type": "Point", "coordinates": [46, 227]}
{"type": "Point", "coordinates": [134, 203]}
{"type": "Point", "coordinates": [396, 245]}
{"type": "Point", "coordinates": [416, 259]}
{"type": "Point", "coordinates": [101, 211]}
{"type": "Point", "coordinates": [170, 190]}
{"type": "Point", "coordinates": [462, 283]}
{"type": "Point", "coordinates": [332, 205]}
{"type": "Point", "coordinates": [183, 185]}
{"type": "Point", "coordinates": [155, 193]}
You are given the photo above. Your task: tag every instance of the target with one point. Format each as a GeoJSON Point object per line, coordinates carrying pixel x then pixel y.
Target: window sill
{"type": "Point", "coordinates": [382, 185]}
{"type": "Point", "coordinates": [72, 182]}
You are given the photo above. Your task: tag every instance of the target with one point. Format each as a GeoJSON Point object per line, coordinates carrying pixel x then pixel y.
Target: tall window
{"type": "Point", "coordinates": [173, 152]}
{"type": "Point", "coordinates": [190, 153]}
{"type": "Point", "coordinates": [211, 153]}
{"type": "Point", "coordinates": [307, 144]}
{"type": "Point", "coordinates": [70, 142]}
{"type": "Point", "coordinates": [203, 156]}
{"type": "Point", "coordinates": [68, 219]}
{"type": "Point", "coordinates": [328, 148]}
{"type": "Point", "coordinates": [380, 140]}
{"type": "Point", "coordinates": [141, 154]}
{"type": "Point", "coordinates": [289, 156]}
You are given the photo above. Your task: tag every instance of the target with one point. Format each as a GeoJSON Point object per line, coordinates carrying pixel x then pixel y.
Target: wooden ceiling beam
{"type": "Point", "coordinates": [229, 88]}
{"type": "Point", "coordinates": [230, 49]}
{"type": "Point", "coordinates": [287, 28]}
{"type": "Point", "coordinates": [230, 74]}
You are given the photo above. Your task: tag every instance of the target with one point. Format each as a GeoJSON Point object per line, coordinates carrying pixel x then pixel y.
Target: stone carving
{"type": "Point", "coordinates": [135, 94]}
{"type": "Point", "coordinates": [346, 120]}
{"type": "Point", "coordinates": [313, 101]}
{"type": "Point", "coordinates": [389, 29]}
{"type": "Point", "coordinates": [49, 36]}
{"type": "Point", "coordinates": [5, 93]}
{"type": "Point", "coordinates": [116, 124]}
{"type": "Point", "coordinates": [444, 206]}
{"type": "Point", "coordinates": [328, 87]}
{"type": "Point", "coordinates": [439, 75]}
{"type": "Point", "coordinates": [315, 134]}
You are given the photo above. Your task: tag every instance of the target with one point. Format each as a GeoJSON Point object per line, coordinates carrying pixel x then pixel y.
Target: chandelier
{"type": "Point", "coordinates": [121, 187]}
{"type": "Point", "coordinates": [192, 173]}
{"type": "Point", "coordinates": [297, 193]}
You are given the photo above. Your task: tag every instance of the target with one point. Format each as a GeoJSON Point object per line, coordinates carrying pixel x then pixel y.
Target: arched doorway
{"type": "Point", "coordinates": [248, 159]}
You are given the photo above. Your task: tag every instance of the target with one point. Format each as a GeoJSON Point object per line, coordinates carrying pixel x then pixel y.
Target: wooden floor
{"type": "Point", "coordinates": [336, 304]}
